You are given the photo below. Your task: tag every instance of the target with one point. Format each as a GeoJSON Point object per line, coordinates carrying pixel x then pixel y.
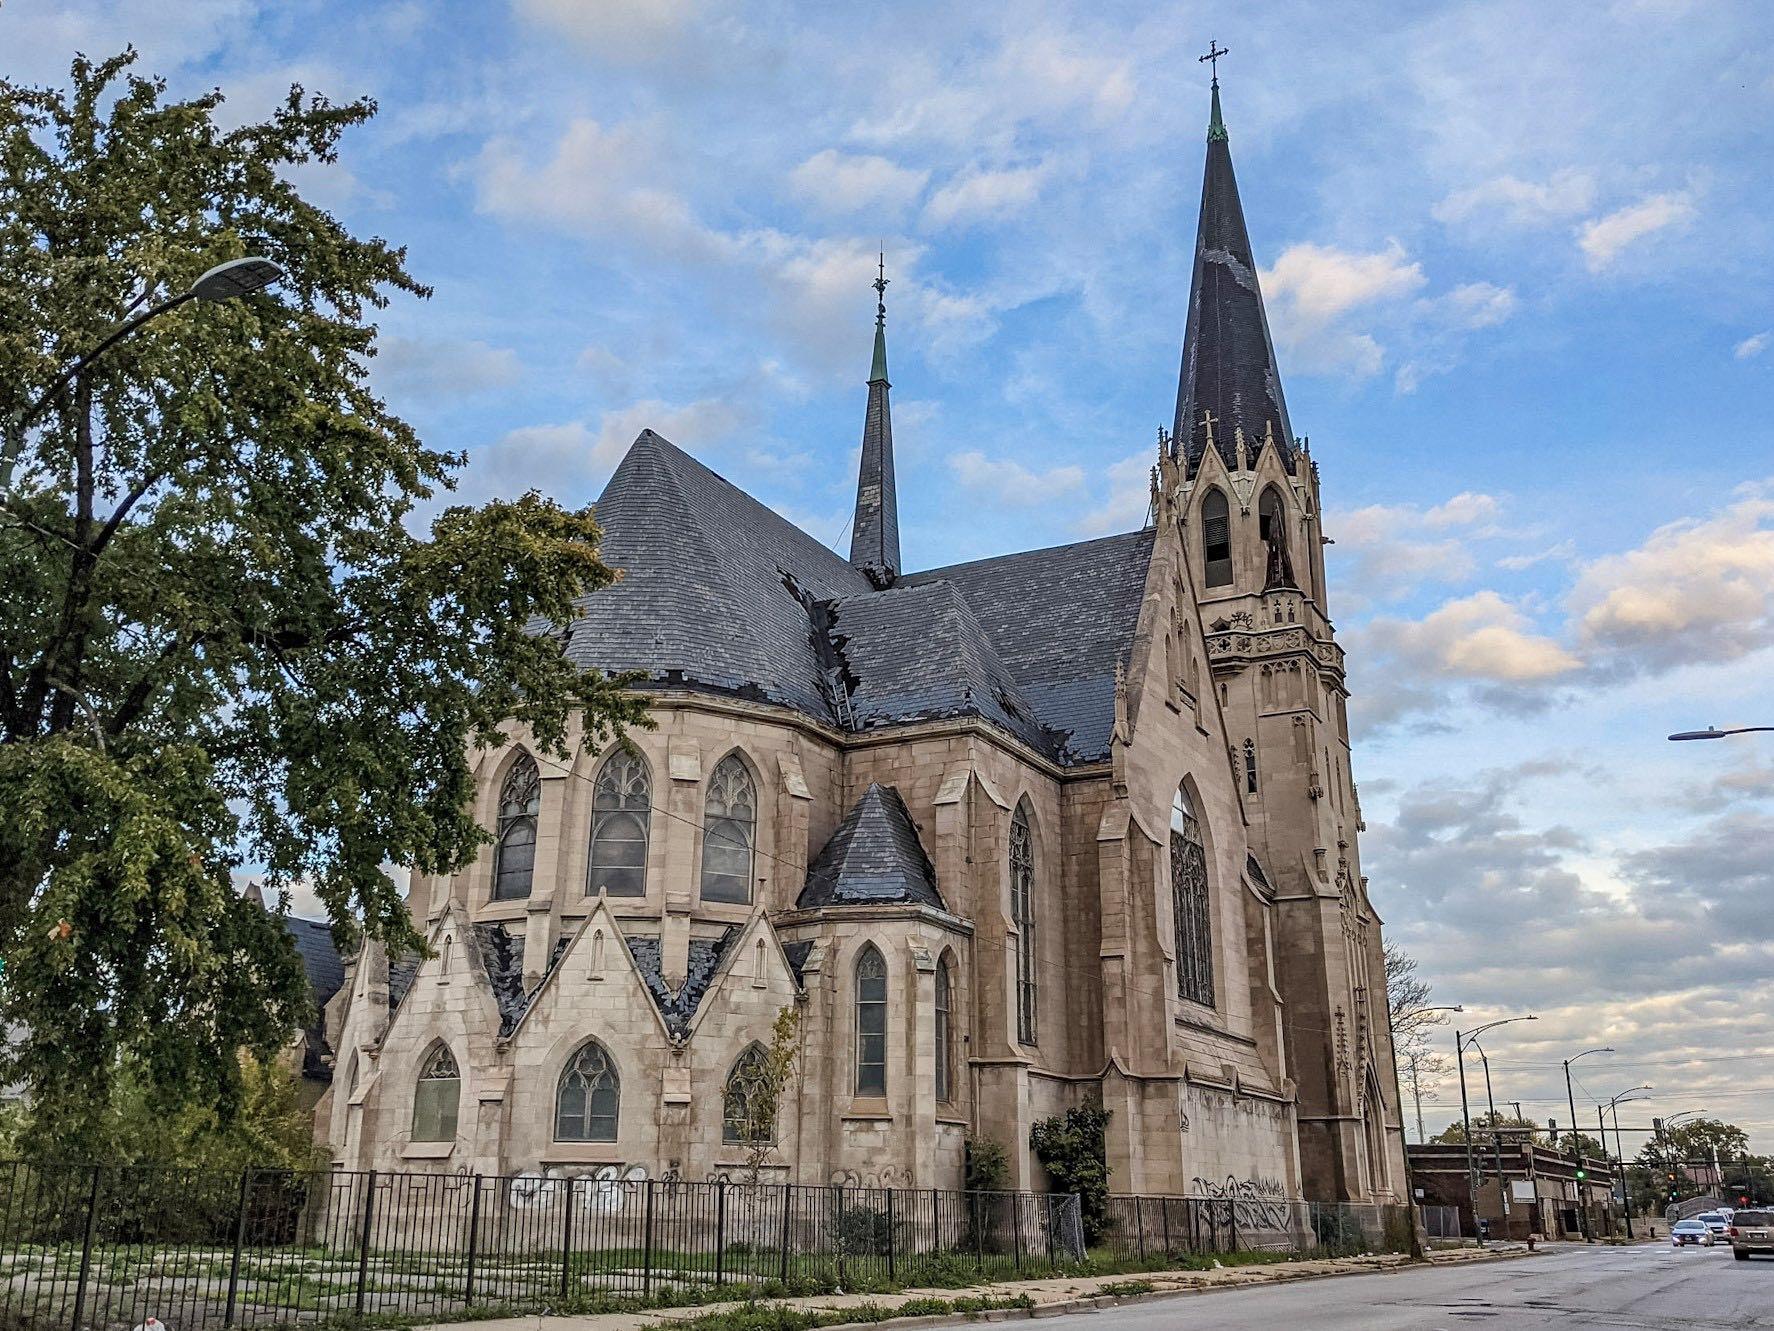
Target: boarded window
{"type": "Point", "coordinates": [871, 1022]}
{"type": "Point", "coordinates": [729, 831]}
{"type": "Point", "coordinates": [1216, 538]}
{"type": "Point", "coordinates": [1022, 908]}
{"type": "Point", "coordinates": [588, 1099]}
{"type": "Point", "coordinates": [514, 858]}
{"type": "Point", "coordinates": [1189, 903]}
{"type": "Point", "coordinates": [621, 806]}
{"type": "Point", "coordinates": [435, 1097]}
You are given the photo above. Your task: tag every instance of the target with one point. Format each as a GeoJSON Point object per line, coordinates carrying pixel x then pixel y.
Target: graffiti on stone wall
{"type": "Point", "coordinates": [604, 1188]}
{"type": "Point", "coordinates": [887, 1176]}
{"type": "Point", "coordinates": [1255, 1203]}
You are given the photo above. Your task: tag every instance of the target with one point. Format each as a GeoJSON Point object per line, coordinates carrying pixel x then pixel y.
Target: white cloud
{"type": "Point", "coordinates": [640, 30]}
{"type": "Point", "coordinates": [1384, 551]}
{"type": "Point", "coordinates": [1129, 497]}
{"type": "Point", "coordinates": [1604, 239]}
{"type": "Point", "coordinates": [1564, 550]}
{"type": "Point", "coordinates": [1697, 589]}
{"type": "Point", "coordinates": [1463, 510]}
{"type": "Point", "coordinates": [836, 183]}
{"type": "Point", "coordinates": [1010, 483]}
{"type": "Point", "coordinates": [1312, 287]}
{"type": "Point", "coordinates": [1479, 304]}
{"type": "Point", "coordinates": [1520, 202]}
{"type": "Point", "coordinates": [1753, 345]}
{"type": "Point", "coordinates": [1481, 637]}
{"type": "Point", "coordinates": [437, 368]}
{"type": "Point", "coordinates": [984, 196]}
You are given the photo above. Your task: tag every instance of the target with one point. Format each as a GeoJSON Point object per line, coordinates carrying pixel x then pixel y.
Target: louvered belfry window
{"type": "Point", "coordinates": [520, 801]}
{"type": "Point", "coordinates": [1189, 903]}
{"type": "Point", "coordinates": [1022, 907]}
{"type": "Point", "coordinates": [1216, 538]}
{"type": "Point", "coordinates": [621, 805]}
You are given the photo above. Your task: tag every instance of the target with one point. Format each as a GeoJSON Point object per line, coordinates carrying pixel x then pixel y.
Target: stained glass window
{"type": "Point", "coordinates": [729, 831]}
{"type": "Point", "coordinates": [435, 1097]}
{"type": "Point", "coordinates": [621, 805]}
{"type": "Point", "coordinates": [747, 1116]}
{"type": "Point", "coordinates": [514, 859]}
{"type": "Point", "coordinates": [1022, 908]}
{"type": "Point", "coordinates": [589, 1096]}
{"type": "Point", "coordinates": [1189, 903]}
{"type": "Point", "coordinates": [871, 1022]}
{"type": "Point", "coordinates": [945, 1039]}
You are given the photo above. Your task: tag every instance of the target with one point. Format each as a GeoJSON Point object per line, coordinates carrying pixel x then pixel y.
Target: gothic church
{"type": "Point", "coordinates": [1063, 826]}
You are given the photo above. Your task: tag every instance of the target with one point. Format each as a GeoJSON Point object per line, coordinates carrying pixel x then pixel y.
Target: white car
{"type": "Point", "coordinates": [1716, 1222]}
{"type": "Point", "coordinates": [1690, 1233]}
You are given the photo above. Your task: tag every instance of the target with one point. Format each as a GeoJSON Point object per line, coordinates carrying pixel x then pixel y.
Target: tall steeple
{"type": "Point", "coordinates": [1229, 383]}
{"type": "Point", "coordinates": [874, 535]}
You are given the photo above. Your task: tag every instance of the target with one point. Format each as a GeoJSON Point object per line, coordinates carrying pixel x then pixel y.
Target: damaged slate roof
{"type": "Point", "coordinates": [918, 652]}
{"type": "Point", "coordinates": [874, 856]}
{"type": "Point", "coordinates": [720, 593]}
{"type": "Point", "coordinates": [678, 1006]}
{"type": "Point", "coordinates": [1061, 619]}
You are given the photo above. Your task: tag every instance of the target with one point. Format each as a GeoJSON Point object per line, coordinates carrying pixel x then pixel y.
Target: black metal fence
{"type": "Point", "coordinates": [1150, 1228]}
{"type": "Point", "coordinates": [106, 1247]}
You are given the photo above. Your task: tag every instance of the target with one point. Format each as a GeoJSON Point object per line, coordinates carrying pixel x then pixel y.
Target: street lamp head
{"type": "Point", "coordinates": [237, 277]}
{"type": "Point", "coordinates": [1711, 732]}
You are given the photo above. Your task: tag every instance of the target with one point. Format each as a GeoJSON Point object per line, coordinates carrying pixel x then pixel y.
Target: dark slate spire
{"type": "Point", "coordinates": [1229, 381]}
{"type": "Point", "coordinates": [874, 535]}
{"type": "Point", "coordinates": [874, 856]}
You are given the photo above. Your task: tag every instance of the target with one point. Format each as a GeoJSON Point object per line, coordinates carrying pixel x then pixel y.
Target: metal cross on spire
{"type": "Point", "coordinates": [880, 286]}
{"type": "Point", "coordinates": [1212, 58]}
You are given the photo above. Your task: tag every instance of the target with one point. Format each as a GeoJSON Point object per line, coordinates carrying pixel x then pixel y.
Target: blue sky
{"type": "Point", "coordinates": [1517, 260]}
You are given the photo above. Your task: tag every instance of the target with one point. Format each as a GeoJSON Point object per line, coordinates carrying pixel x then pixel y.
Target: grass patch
{"type": "Point", "coordinates": [1120, 1287]}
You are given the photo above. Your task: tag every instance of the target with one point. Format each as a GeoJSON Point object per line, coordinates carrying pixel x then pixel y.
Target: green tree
{"type": "Point", "coordinates": [220, 640]}
{"type": "Point", "coordinates": [1484, 1124]}
{"type": "Point", "coordinates": [1073, 1148]}
{"type": "Point", "coordinates": [753, 1101]}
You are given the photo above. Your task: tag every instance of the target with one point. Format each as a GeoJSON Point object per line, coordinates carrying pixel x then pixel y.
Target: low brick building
{"type": "Point", "coordinates": [1539, 1192]}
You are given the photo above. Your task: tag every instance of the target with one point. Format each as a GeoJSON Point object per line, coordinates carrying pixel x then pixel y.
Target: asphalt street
{"type": "Point", "coordinates": [1651, 1286]}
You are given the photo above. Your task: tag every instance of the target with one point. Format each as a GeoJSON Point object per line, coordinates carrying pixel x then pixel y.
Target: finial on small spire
{"type": "Point", "coordinates": [880, 285]}
{"type": "Point", "coordinates": [1216, 127]}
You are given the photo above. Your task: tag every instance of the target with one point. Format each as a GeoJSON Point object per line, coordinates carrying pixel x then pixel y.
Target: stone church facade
{"type": "Point", "coordinates": [1066, 826]}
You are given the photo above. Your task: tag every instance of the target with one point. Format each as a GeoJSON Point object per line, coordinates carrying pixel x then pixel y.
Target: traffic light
{"type": "Point", "coordinates": [1582, 1174]}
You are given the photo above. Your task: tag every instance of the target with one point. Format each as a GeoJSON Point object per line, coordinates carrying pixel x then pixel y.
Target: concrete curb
{"type": "Point", "coordinates": [1269, 1275]}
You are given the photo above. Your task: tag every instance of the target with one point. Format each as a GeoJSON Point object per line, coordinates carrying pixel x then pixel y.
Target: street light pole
{"type": "Point", "coordinates": [1466, 1121]}
{"type": "Point", "coordinates": [1496, 1133]}
{"type": "Point", "coordinates": [226, 281]}
{"type": "Point", "coordinates": [1620, 1149]}
{"type": "Point", "coordinates": [1713, 732]}
{"type": "Point", "coordinates": [1577, 1147]}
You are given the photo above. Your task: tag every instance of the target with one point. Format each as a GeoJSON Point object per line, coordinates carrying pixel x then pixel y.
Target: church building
{"type": "Point", "coordinates": [1059, 827]}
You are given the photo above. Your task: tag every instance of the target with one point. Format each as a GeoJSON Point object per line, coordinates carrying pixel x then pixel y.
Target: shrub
{"type": "Point", "coordinates": [1073, 1149]}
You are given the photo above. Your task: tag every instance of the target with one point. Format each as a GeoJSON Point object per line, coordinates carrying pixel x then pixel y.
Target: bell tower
{"type": "Point", "coordinates": [1248, 498]}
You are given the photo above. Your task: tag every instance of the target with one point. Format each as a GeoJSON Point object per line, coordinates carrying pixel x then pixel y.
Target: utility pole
{"type": "Point", "coordinates": [1466, 1120]}
{"type": "Point", "coordinates": [1577, 1145]}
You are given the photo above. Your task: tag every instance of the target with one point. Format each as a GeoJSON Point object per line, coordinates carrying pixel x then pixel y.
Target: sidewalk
{"type": "Point", "coordinates": [1044, 1298]}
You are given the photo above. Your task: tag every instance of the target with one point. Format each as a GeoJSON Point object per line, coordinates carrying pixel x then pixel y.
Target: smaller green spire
{"type": "Point", "coordinates": [1216, 128]}
{"type": "Point", "coordinates": [878, 371]}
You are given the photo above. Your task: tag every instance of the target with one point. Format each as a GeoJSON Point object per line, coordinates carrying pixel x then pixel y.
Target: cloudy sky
{"type": "Point", "coordinates": [1518, 266]}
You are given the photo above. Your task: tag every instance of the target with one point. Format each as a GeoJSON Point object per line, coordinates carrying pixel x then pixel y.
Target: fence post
{"type": "Point", "coordinates": [363, 1242]}
{"type": "Point", "coordinates": [1232, 1223]}
{"type": "Point", "coordinates": [1016, 1225]}
{"type": "Point", "coordinates": [473, 1242]}
{"type": "Point", "coordinates": [246, 1174]}
{"type": "Point", "coordinates": [720, 1231]}
{"type": "Point", "coordinates": [92, 1210]}
{"type": "Point", "coordinates": [1164, 1211]}
{"type": "Point", "coordinates": [567, 1233]}
{"type": "Point", "coordinates": [892, 1264]}
{"type": "Point", "coordinates": [788, 1194]}
{"type": "Point", "coordinates": [979, 1239]}
{"type": "Point", "coordinates": [1139, 1225]}
{"type": "Point", "coordinates": [935, 1222]}
{"type": "Point", "coordinates": [1050, 1253]}
{"type": "Point", "coordinates": [647, 1243]}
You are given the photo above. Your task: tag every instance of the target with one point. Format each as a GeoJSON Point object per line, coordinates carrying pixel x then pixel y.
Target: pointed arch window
{"type": "Point", "coordinates": [436, 1096]}
{"type": "Point", "coordinates": [1022, 910]}
{"type": "Point", "coordinates": [945, 1036]}
{"type": "Point", "coordinates": [748, 1110]}
{"type": "Point", "coordinates": [588, 1100]}
{"type": "Point", "coordinates": [729, 832]}
{"type": "Point", "coordinates": [1216, 538]}
{"type": "Point", "coordinates": [514, 858]}
{"type": "Point", "coordinates": [621, 807]}
{"type": "Point", "coordinates": [1250, 766]}
{"type": "Point", "coordinates": [1278, 570]}
{"type": "Point", "coordinates": [1189, 903]}
{"type": "Point", "coordinates": [871, 1021]}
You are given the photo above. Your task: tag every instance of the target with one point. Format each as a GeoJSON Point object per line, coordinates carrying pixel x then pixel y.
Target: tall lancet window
{"type": "Point", "coordinates": [871, 1022]}
{"type": "Point", "coordinates": [1278, 570]}
{"type": "Point", "coordinates": [945, 1035]}
{"type": "Point", "coordinates": [729, 830]}
{"type": "Point", "coordinates": [514, 857]}
{"type": "Point", "coordinates": [1189, 903]}
{"type": "Point", "coordinates": [621, 804]}
{"type": "Point", "coordinates": [1216, 538]}
{"type": "Point", "coordinates": [436, 1096]}
{"type": "Point", "coordinates": [1022, 910]}
{"type": "Point", "coordinates": [588, 1098]}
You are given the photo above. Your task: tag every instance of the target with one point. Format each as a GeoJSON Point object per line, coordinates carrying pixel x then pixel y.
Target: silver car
{"type": "Point", "coordinates": [1751, 1231]}
{"type": "Point", "coordinates": [1686, 1233]}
